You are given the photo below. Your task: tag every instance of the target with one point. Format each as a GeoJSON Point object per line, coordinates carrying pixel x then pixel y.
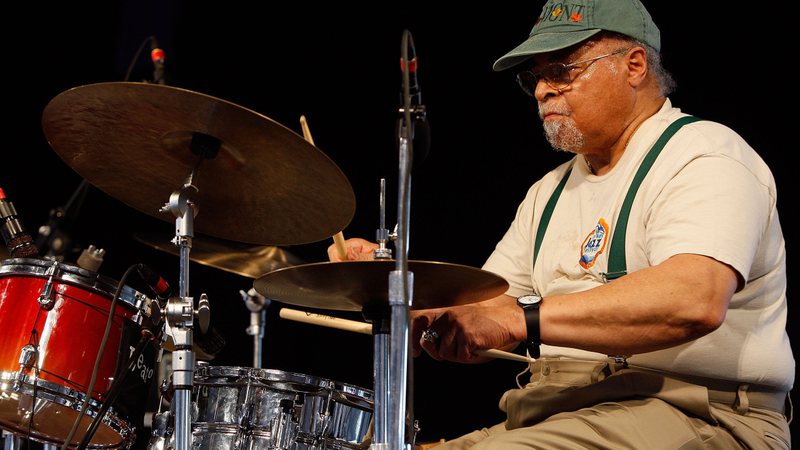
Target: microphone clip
{"type": "Point", "coordinates": [418, 112]}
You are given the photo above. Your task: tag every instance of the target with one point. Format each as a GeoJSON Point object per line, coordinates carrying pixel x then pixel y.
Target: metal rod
{"type": "Point", "coordinates": [180, 316]}
{"type": "Point", "coordinates": [257, 304]}
{"type": "Point", "coordinates": [381, 362]}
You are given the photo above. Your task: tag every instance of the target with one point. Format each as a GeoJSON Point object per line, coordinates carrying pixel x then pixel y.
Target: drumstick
{"type": "Point", "coordinates": [326, 321]}
{"type": "Point", "coordinates": [366, 328]}
{"type": "Point", "coordinates": [338, 238]}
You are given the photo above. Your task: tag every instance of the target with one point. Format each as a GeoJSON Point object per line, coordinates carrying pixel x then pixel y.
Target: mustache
{"type": "Point", "coordinates": [553, 109]}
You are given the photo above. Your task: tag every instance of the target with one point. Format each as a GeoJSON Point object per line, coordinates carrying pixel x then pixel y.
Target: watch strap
{"type": "Point", "coordinates": [532, 324]}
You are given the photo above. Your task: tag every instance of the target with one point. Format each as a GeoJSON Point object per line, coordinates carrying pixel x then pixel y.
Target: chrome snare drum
{"type": "Point", "coordinates": [247, 408]}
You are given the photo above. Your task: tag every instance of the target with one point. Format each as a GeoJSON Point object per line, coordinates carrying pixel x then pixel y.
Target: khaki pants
{"type": "Point", "coordinates": [594, 405]}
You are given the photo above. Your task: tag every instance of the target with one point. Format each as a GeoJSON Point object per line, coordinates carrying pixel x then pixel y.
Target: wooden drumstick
{"type": "Point", "coordinates": [326, 321]}
{"type": "Point", "coordinates": [366, 328]}
{"type": "Point", "coordinates": [338, 238]}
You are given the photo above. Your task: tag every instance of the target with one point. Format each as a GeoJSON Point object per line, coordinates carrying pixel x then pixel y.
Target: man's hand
{"type": "Point", "coordinates": [454, 333]}
{"type": "Point", "coordinates": [357, 250]}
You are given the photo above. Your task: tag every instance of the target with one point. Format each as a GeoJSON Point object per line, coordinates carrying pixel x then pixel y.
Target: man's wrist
{"type": "Point", "coordinates": [530, 305]}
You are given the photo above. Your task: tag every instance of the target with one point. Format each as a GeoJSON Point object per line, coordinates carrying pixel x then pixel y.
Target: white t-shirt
{"type": "Point", "coordinates": [707, 193]}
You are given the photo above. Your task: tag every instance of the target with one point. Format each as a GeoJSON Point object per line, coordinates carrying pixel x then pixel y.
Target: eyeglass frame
{"type": "Point", "coordinates": [529, 86]}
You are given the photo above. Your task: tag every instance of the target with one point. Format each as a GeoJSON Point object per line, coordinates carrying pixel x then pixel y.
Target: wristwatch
{"type": "Point", "coordinates": [530, 305]}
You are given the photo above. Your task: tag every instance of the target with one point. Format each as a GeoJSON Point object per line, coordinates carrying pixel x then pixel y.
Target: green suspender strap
{"type": "Point", "coordinates": [548, 212]}
{"type": "Point", "coordinates": [617, 266]}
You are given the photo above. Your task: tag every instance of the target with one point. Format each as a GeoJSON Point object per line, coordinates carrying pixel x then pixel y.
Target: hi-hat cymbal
{"type": "Point", "coordinates": [257, 181]}
{"type": "Point", "coordinates": [364, 285]}
{"type": "Point", "coordinates": [250, 261]}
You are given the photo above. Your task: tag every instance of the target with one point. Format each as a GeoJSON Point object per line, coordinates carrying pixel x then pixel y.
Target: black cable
{"type": "Point", "coordinates": [34, 340]}
{"type": "Point", "coordinates": [57, 215]}
{"type": "Point", "coordinates": [77, 197]}
{"type": "Point", "coordinates": [113, 392]}
{"type": "Point", "coordinates": [136, 56]}
{"type": "Point", "coordinates": [100, 351]}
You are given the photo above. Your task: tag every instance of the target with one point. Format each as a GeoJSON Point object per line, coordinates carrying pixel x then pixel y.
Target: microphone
{"type": "Point", "coordinates": [420, 129]}
{"type": "Point", "coordinates": [413, 82]}
{"type": "Point", "coordinates": [155, 282]}
{"type": "Point", "coordinates": [16, 237]}
{"type": "Point", "coordinates": [157, 56]}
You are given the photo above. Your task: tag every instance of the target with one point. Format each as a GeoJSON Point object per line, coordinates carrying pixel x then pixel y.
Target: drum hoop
{"type": "Point", "coordinates": [217, 428]}
{"type": "Point", "coordinates": [250, 375]}
{"type": "Point", "coordinates": [286, 381]}
{"type": "Point", "coordinates": [351, 390]}
{"type": "Point", "coordinates": [364, 403]}
{"type": "Point", "coordinates": [73, 275]}
{"type": "Point", "coordinates": [60, 395]}
{"type": "Point", "coordinates": [328, 443]}
{"type": "Point", "coordinates": [340, 444]}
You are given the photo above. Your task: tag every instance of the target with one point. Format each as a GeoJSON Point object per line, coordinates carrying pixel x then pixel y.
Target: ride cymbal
{"type": "Point", "coordinates": [257, 181]}
{"type": "Point", "coordinates": [250, 261]}
{"type": "Point", "coordinates": [364, 285]}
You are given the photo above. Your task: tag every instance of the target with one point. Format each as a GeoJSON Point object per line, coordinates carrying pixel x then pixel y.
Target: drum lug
{"type": "Point", "coordinates": [143, 306]}
{"type": "Point", "coordinates": [284, 426]}
{"type": "Point", "coordinates": [325, 417]}
{"type": "Point", "coordinates": [46, 301]}
{"type": "Point", "coordinates": [28, 358]}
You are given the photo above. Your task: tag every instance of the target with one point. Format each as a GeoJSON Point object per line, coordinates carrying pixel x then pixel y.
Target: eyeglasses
{"type": "Point", "coordinates": [557, 75]}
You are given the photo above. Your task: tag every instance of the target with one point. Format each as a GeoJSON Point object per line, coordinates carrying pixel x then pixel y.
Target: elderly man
{"type": "Point", "coordinates": [647, 274]}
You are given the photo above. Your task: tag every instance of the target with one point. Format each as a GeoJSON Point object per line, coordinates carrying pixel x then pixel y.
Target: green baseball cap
{"type": "Point", "coordinates": [564, 23]}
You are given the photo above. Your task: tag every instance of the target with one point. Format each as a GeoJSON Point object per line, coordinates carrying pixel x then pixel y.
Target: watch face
{"type": "Point", "coordinates": [529, 299]}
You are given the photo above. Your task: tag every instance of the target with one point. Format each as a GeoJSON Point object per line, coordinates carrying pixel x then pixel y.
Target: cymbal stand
{"type": "Point", "coordinates": [401, 283]}
{"type": "Point", "coordinates": [381, 337]}
{"type": "Point", "coordinates": [380, 320]}
{"type": "Point", "coordinates": [179, 313]}
{"type": "Point", "coordinates": [257, 305]}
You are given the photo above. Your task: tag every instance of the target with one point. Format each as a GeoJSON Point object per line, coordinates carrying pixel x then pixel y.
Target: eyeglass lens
{"type": "Point", "coordinates": [556, 75]}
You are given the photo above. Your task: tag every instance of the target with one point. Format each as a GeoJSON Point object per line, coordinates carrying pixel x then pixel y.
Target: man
{"type": "Point", "coordinates": [647, 274]}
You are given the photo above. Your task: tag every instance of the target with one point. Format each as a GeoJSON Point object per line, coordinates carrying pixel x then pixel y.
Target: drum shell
{"type": "Point", "coordinates": [265, 409]}
{"type": "Point", "coordinates": [67, 335]}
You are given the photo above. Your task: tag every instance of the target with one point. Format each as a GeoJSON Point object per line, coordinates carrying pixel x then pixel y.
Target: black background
{"type": "Point", "coordinates": [338, 66]}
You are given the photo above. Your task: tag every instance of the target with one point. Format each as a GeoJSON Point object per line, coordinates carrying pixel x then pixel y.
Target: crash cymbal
{"type": "Point", "coordinates": [250, 261]}
{"type": "Point", "coordinates": [364, 285]}
{"type": "Point", "coordinates": [257, 181]}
